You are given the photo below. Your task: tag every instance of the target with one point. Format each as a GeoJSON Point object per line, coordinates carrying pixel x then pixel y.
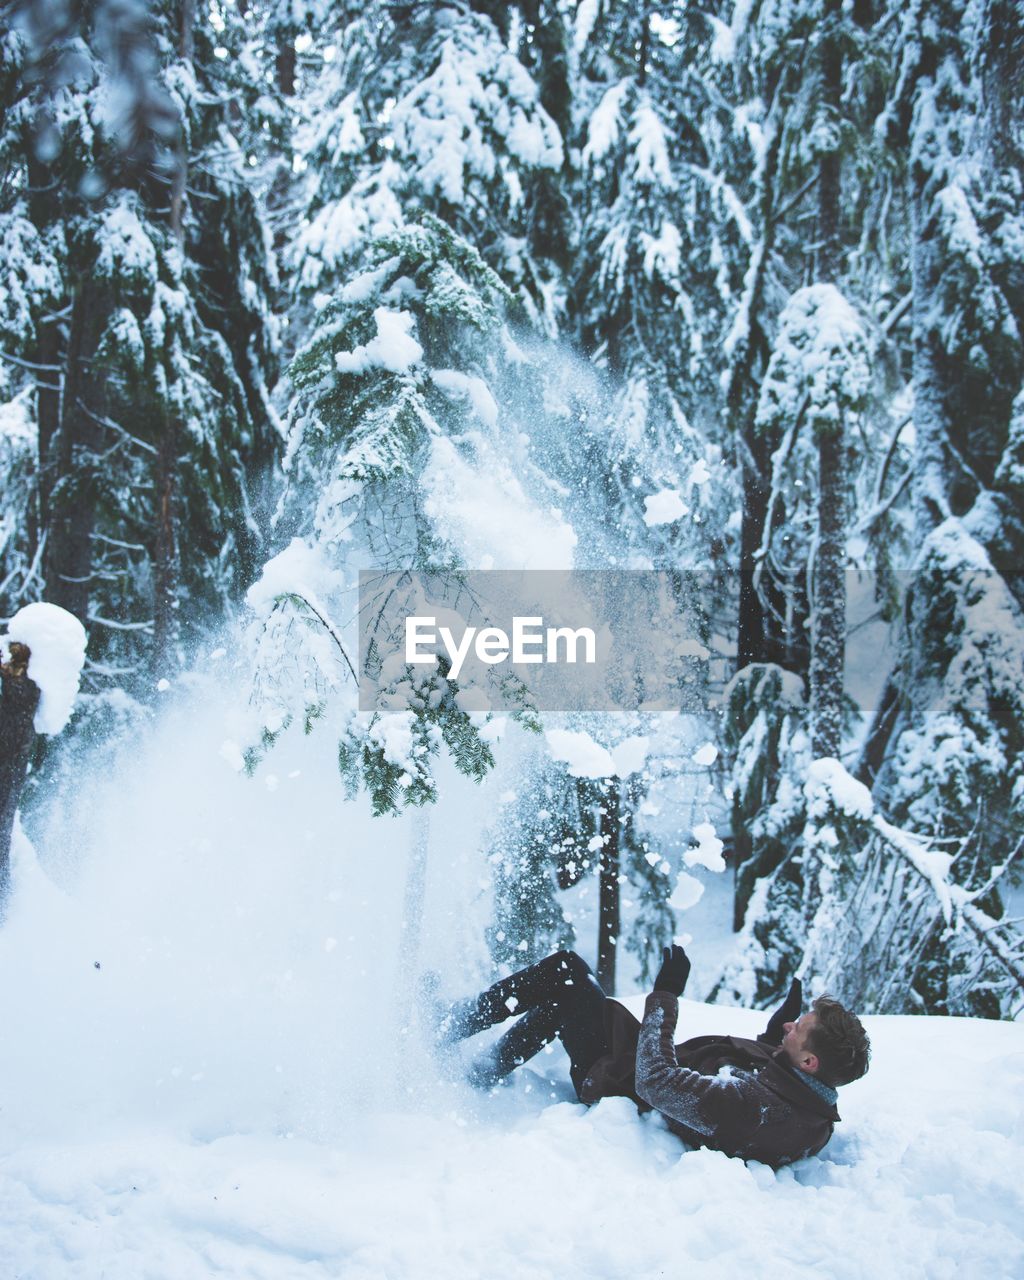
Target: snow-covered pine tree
{"type": "Point", "coordinates": [423, 108]}
{"type": "Point", "coordinates": [392, 391]}
{"type": "Point", "coordinates": [422, 132]}
{"type": "Point", "coordinates": [31, 295]}
{"type": "Point", "coordinates": [784, 57]}
{"type": "Point", "coordinates": [817, 382]}
{"type": "Point", "coordinates": [661, 247]}
{"type": "Point", "coordinates": [834, 424]}
{"type": "Point", "coordinates": [767, 48]}
{"type": "Point", "coordinates": [156, 406]}
{"type": "Point", "coordinates": [239, 132]}
{"type": "Point", "coordinates": [951, 764]}
{"type": "Point", "coordinates": [946, 737]}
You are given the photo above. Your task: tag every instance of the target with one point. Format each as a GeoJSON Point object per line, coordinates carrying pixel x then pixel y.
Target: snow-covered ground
{"type": "Point", "coordinates": [209, 1068]}
{"type": "Point", "coordinates": [922, 1179]}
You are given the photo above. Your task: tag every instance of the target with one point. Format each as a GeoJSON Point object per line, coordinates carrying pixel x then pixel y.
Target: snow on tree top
{"type": "Point", "coordinates": [821, 355]}
{"type": "Point", "coordinates": [56, 641]}
{"type": "Point", "coordinates": [830, 786]}
{"type": "Point", "coordinates": [127, 250]}
{"type": "Point", "coordinates": [393, 348]}
{"type": "Point", "coordinates": [298, 569]}
{"type": "Point", "coordinates": [648, 137]}
{"type": "Point", "coordinates": [478, 95]}
{"type": "Point", "coordinates": [603, 131]}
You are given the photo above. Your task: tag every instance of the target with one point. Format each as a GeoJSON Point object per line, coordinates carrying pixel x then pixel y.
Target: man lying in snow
{"type": "Point", "coordinates": [771, 1099]}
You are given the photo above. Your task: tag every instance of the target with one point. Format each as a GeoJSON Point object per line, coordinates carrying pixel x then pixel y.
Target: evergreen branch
{"type": "Point", "coordinates": [31, 364]}
{"type": "Point", "coordinates": [294, 595]}
{"type": "Point", "coordinates": [868, 521]}
{"type": "Point", "coordinates": [889, 455]}
{"type": "Point", "coordinates": [897, 313]}
{"type": "Point", "coordinates": [94, 618]}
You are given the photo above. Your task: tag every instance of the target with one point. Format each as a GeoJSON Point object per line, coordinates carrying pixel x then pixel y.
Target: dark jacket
{"type": "Point", "coordinates": [737, 1096]}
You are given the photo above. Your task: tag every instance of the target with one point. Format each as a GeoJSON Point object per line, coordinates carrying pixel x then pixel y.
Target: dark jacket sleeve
{"type": "Point", "coordinates": [709, 1105]}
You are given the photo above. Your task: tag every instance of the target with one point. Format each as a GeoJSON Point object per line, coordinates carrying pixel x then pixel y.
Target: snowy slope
{"type": "Point", "coordinates": [237, 1090]}
{"type": "Point", "coordinates": [922, 1179]}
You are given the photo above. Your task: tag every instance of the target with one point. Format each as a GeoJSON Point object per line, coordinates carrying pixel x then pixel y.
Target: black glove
{"type": "Point", "coordinates": [675, 969]}
{"type": "Point", "coordinates": [788, 1011]}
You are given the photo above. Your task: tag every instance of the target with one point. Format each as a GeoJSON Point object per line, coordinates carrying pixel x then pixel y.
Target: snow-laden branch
{"type": "Point", "coordinates": [838, 803]}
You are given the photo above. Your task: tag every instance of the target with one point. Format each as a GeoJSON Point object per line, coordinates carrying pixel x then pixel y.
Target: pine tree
{"type": "Point", "coordinates": [661, 248]}
{"type": "Point", "coordinates": [957, 713]}
{"type": "Point", "coordinates": [395, 380]}
{"type": "Point", "coordinates": [157, 405]}
{"type": "Point", "coordinates": [424, 109]}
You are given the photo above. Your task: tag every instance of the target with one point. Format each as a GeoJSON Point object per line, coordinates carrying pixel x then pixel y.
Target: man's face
{"type": "Point", "coordinates": [794, 1043]}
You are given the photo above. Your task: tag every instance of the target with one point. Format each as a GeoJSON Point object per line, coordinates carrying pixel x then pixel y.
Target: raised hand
{"type": "Point", "coordinates": [788, 1011]}
{"type": "Point", "coordinates": [675, 969]}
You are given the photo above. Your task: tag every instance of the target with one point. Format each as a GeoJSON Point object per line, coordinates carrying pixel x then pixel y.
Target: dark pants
{"type": "Point", "coordinates": [558, 996]}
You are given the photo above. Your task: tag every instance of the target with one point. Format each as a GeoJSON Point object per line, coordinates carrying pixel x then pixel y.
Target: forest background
{"type": "Point", "coordinates": [289, 291]}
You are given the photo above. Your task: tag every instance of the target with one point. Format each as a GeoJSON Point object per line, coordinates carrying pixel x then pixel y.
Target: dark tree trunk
{"type": "Point", "coordinates": [48, 387]}
{"type": "Point", "coordinates": [166, 557]}
{"type": "Point", "coordinates": [19, 697]}
{"type": "Point", "coordinates": [763, 634]}
{"type": "Point", "coordinates": [166, 543]}
{"type": "Point", "coordinates": [931, 479]}
{"type": "Point", "coordinates": [186, 46]}
{"type": "Point", "coordinates": [828, 612]}
{"type": "Point", "coordinates": [44, 209]}
{"type": "Point", "coordinates": [186, 29]}
{"type": "Point", "coordinates": [546, 209]}
{"type": "Point", "coordinates": [608, 895]}
{"type": "Point", "coordinates": [72, 497]}
{"type": "Point", "coordinates": [643, 51]}
{"type": "Point", "coordinates": [880, 733]}
{"type": "Point", "coordinates": [752, 641]}
{"type": "Point", "coordinates": [285, 63]}
{"type": "Point", "coordinates": [829, 162]}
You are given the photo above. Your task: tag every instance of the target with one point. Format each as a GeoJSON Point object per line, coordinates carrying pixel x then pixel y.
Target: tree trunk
{"type": "Point", "coordinates": [880, 733]}
{"type": "Point", "coordinates": [166, 558]}
{"type": "Point", "coordinates": [166, 547]}
{"type": "Point", "coordinates": [186, 30]}
{"type": "Point", "coordinates": [285, 63]}
{"type": "Point", "coordinates": [644, 43]}
{"type": "Point", "coordinates": [608, 894]}
{"type": "Point", "coordinates": [829, 161]}
{"type": "Point", "coordinates": [44, 209]}
{"type": "Point", "coordinates": [48, 387]}
{"type": "Point", "coordinates": [19, 697]}
{"type": "Point", "coordinates": [72, 496]}
{"type": "Point", "coordinates": [762, 634]}
{"type": "Point", "coordinates": [752, 624]}
{"type": "Point", "coordinates": [828, 612]}
{"type": "Point", "coordinates": [412, 927]}
{"type": "Point", "coordinates": [931, 479]}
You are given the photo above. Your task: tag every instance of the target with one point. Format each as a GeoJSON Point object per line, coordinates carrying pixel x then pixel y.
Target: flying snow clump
{"type": "Point", "coordinates": [56, 642]}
